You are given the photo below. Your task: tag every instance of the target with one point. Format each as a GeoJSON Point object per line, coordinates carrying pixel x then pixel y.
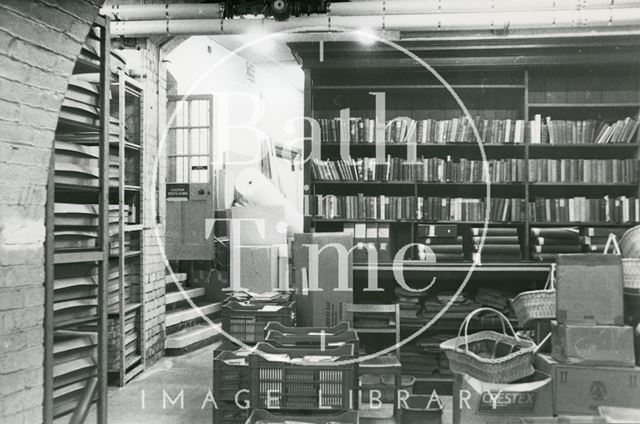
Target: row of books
{"type": "Point", "coordinates": [454, 243]}
{"type": "Point", "coordinates": [591, 131]}
{"type": "Point", "coordinates": [371, 234]}
{"type": "Point", "coordinates": [547, 243]}
{"type": "Point", "coordinates": [412, 208]}
{"type": "Point", "coordinates": [621, 209]}
{"type": "Point", "coordinates": [431, 169]}
{"type": "Point", "coordinates": [584, 170]}
{"type": "Point", "coordinates": [490, 131]}
{"type": "Point", "coordinates": [403, 130]}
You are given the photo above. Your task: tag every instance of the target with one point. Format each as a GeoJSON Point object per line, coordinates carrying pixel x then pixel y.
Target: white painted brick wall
{"type": "Point", "coordinates": [39, 41]}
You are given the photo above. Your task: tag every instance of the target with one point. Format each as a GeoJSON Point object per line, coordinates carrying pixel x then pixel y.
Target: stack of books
{"type": "Point", "coordinates": [547, 243]}
{"type": "Point", "coordinates": [500, 244]}
{"type": "Point", "coordinates": [594, 239]}
{"type": "Point", "coordinates": [410, 302]}
{"type": "Point", "coordinates": [496, 299]}
{"type": "Point", "coordinates": [440, 243]}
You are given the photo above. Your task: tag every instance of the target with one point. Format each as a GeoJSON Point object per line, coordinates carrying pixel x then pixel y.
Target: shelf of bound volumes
{"type": "Point", "coordinates": [76, 248]}
{"type": "Point", "coordinates": [473, 204]}
{"type": "Point", "coordinates": [559, 152]}
{"type": "Point", "coordinates": [126, 315]}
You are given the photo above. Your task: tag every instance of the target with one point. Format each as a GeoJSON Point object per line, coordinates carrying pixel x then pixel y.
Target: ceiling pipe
{"type": "Point", "coordinates": [555, 19]}
{"type": "Point", "coordinates": [152, 12]}
{"type": "Point", "coordinates": [406, 7]}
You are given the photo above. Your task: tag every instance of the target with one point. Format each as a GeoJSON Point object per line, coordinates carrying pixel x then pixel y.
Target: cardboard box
{"type": "Point", "coordinates": [259, 268]}
{"type": "Point", "coordinates": [322, 306]}
{"type": "Point", "coordinates": [592, 345]}
{"type": "Point", "coordinates": [580, 390]}
{"type": "Point", "coordinates": [477, 402]}
{"type": "Point", "coordinates": [589, 289]}
{"type": "Point", "coordinates": [266, 230]}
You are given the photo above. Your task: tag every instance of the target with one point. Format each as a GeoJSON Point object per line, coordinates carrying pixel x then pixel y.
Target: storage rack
{"type": "Point", "coordinates": [126, 314]}
{"type": "Point", "coordinates": [75, 318]}
{"type": "Point", "coordinates": [519, 98]}
{"type": "Point", "coordinates": [512, 78]}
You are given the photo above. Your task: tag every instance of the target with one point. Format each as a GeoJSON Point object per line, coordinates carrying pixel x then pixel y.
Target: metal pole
{"type": "Point", "coordinates": [149, 12]}
{"type": "Point", "coordinates": [581, 19]}
{"type": "Point", "coordinates": [402, 7]}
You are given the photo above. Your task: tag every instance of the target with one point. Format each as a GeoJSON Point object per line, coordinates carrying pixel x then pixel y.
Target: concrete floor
{"type": "Point", "coordinates": [148, 398]}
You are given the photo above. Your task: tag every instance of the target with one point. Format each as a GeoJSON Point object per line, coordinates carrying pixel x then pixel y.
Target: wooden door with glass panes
{"type": "Point", "coordinates": [190, 192]}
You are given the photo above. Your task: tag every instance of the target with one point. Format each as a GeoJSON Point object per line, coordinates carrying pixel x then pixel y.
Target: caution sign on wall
{"type": "Point", "coordinates": [177, 192]}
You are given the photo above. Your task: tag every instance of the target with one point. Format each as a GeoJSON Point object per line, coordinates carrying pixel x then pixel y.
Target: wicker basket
{"type": "Point", "coordinates": [537, 304]}
{"type": "Point", "coordinates": [490, 356]}
{"type": "Point", "coordinates": [630, 266]}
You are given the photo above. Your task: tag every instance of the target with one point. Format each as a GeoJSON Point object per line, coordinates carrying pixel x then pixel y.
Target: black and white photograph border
{"type": "Point", "coordinates": [303, 211]}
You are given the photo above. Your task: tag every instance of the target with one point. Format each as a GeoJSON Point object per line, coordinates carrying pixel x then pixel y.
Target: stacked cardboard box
{"type": "Point", "coordinates": [259, 250]}
{"type": "Point", "coordinates": [592, 359]}
{"type": "Point", "coordinates": [322, 286]}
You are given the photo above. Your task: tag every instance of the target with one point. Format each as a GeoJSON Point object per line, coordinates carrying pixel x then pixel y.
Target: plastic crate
{"type": "Point", "coordinates": [349, 417]}
{"type": "Point", "coordinates": [230, 413]}
{"type": "Point", "coordinates": [313, 340]}
{"type": "Point", "coordinates": [246, 322]}
{"type": "Point", "coordinates": [278, 383]}
{"type": "Point", "coordinates": [301, 331]}
{"type": "Point", "coordinates": [230, 378]}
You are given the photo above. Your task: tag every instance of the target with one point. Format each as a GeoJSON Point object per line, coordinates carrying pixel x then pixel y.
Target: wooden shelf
{"type": "Point", "coordinates": [133, 227]}
{"type": "Point", "coordinates": [128, 254]}
{"type": "Point", "coordinates": [420, 183]}
{"type": "Point", "coordinates": [584, 146]}
{"type": "Point", "coordinates": [451, 267]}
{"type": "Point", "coordinates": [420, 87]}
{"type": "Point", "coordinates": [429, 145]}
{"type": "Point", "coordinates": [417, 221]}
{"type": "Point", "coordinates": [128, 307]}
{"type": "Point", "coordinates": [583, 105]}
{"type": "Point", "coordinates": [583, 184]}
{"type": "Point", "coordinates": [583, 224]}
{"type": "Point", "coordinates": [78, 257]}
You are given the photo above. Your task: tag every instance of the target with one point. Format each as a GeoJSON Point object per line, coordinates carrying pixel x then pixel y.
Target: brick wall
{"type": "Point", "coordinates": [39, 42]}
{"type": "Point", "coordinates": [155, 163]}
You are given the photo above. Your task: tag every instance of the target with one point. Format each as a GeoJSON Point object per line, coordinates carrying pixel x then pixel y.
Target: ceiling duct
{"type": "Point", "coordinates": [586, 19]}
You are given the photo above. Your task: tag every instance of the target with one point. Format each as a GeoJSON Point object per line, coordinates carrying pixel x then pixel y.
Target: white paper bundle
{"type": "Point", "coordinates": [259, 191]}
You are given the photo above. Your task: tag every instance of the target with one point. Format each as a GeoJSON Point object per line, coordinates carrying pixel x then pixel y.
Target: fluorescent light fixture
{"type": "Point", "coordinates": [366, 36]}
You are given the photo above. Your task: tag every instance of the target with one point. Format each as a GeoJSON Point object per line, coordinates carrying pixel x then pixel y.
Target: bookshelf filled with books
{"type": "Point", "coordinates": [559, 148]}
{"type": "Point", "coordinates": [394, 159]}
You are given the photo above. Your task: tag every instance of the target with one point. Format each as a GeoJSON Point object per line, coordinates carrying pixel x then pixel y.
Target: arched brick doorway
{"type": "Point", "coordinates": [39, 44]}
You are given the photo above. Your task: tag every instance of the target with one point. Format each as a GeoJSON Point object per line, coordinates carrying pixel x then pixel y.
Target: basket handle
{"type": "Point", "coordinates": [467, 320]}
{"type": "Point", "coordinates": [612, 241]}
{"type": "Point", "coordinates": [551, 279]}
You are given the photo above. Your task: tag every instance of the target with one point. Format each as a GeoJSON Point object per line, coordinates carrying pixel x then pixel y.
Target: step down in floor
{"type": "Point", "coordinates": [192, 338]}
{"type": "Point", "coordinates": [189, 313]}
{"type": "Point", "coordinates": [179, 296]}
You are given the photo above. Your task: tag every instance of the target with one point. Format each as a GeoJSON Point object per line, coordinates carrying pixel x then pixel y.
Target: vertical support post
{"type": "Point", "coordinates": [527, 217]}
{"type": "Point", "coordinates": [103, 269]}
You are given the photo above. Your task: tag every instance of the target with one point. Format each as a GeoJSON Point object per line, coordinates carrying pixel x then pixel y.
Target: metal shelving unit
{"type": "Point", "coordinates": [76, 272]}
{"type": "Point", "coordinates": [126, 314]}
